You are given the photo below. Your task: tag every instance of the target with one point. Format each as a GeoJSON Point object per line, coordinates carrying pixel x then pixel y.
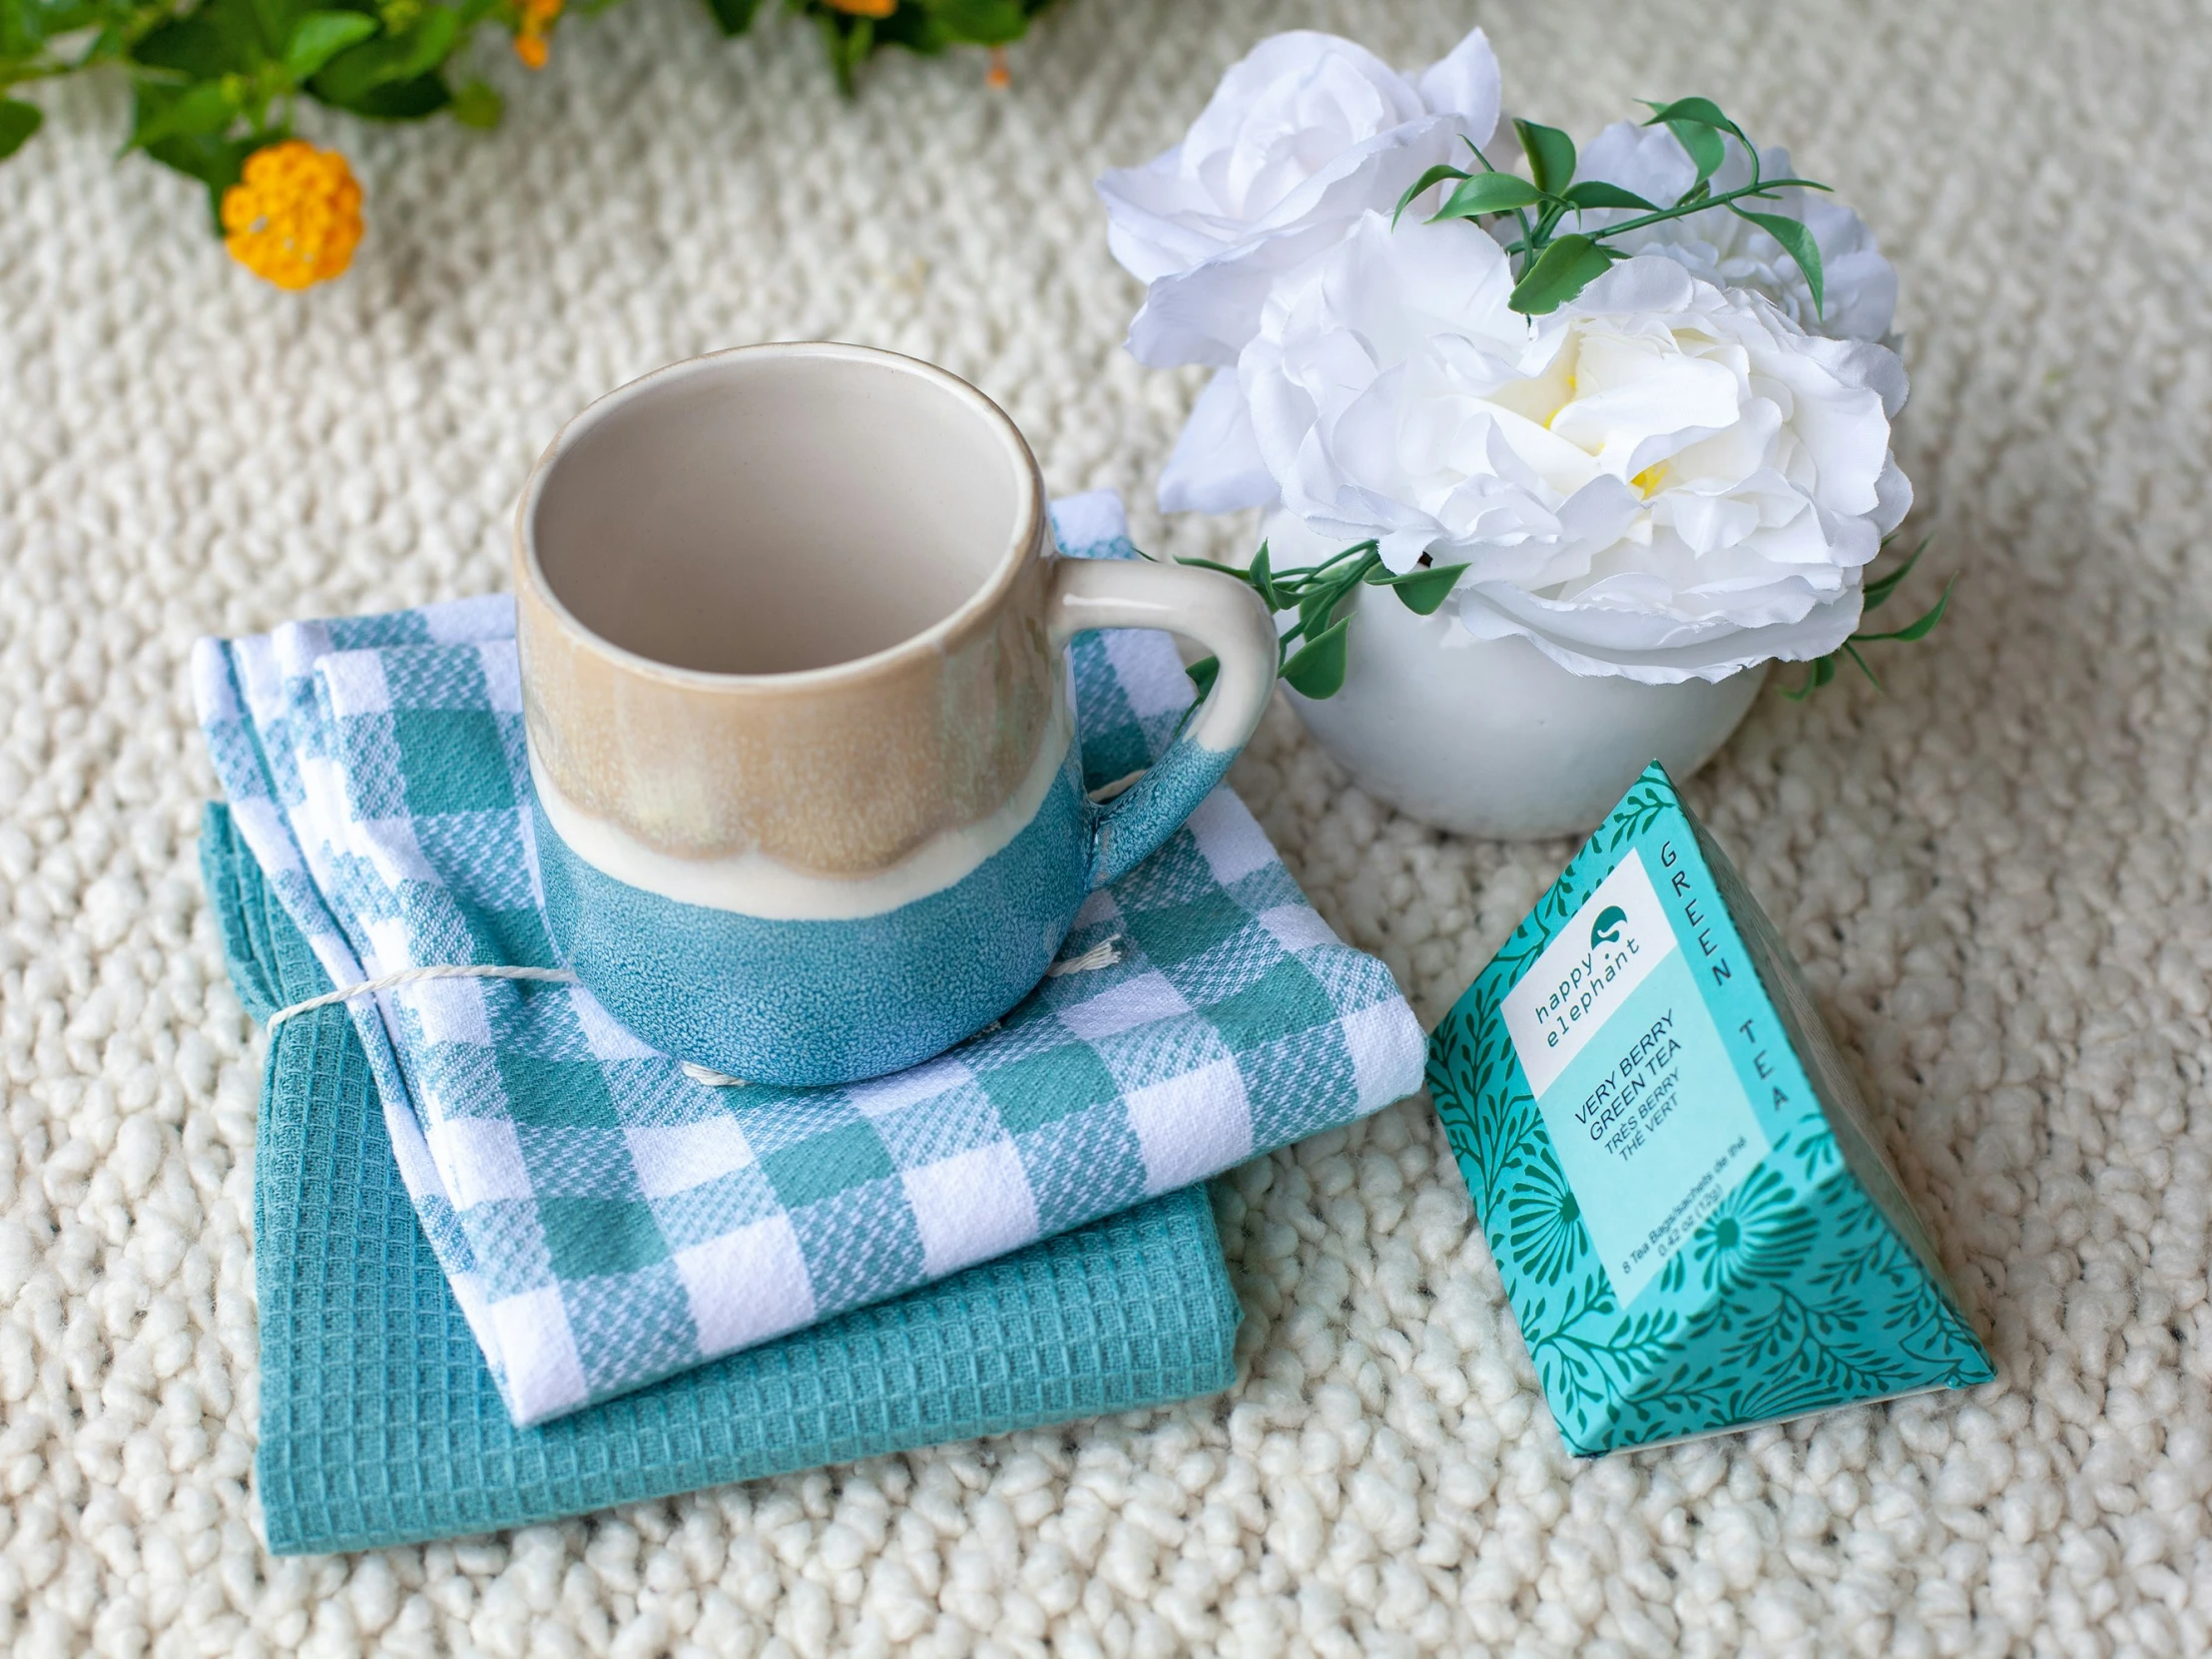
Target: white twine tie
{"type": "Point", "coordinates": [415, 976]}
{"type": "Point", "coordinates": [1103, 954]}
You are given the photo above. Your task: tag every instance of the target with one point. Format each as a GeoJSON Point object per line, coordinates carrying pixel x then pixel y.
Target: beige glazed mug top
{"type": "Point", "coordinates": [790, 625]}
{"type": "Point", "coordinates": [782, 606]}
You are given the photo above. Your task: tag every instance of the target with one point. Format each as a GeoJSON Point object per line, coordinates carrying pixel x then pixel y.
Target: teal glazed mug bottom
{"type": "Point", "coordinates": [805, 1002]}
{"type": "Point", "coordinates": [809, 804]}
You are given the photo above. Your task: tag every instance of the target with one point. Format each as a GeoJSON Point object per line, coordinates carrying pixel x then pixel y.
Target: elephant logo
{"type": "Point", "coordinates": [1607, 929]}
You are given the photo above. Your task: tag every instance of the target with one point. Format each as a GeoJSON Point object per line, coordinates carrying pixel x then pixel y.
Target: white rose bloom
{"type": "Point", "coordinates": [1302, 136]}
{"type": "Point", "coordinates": [1860, 286]}
{"type": "Point", "coordinates": [1664, 479]}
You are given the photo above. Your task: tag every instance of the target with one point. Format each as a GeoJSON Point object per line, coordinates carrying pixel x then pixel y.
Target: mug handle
{"type": "Point", "coordinates": [1215, 611]}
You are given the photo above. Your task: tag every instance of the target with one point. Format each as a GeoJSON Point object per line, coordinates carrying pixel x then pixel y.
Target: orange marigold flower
{"type": "Point", "coordinates": [864, 8]}
{"type": "Point", "coordinates": [532, 38]}
{"type": "Point", "coordinates": [295, 215]}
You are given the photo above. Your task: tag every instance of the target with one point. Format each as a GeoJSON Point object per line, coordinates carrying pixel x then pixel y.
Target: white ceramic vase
{"type": "Point", "coordinates": [1493, 738]}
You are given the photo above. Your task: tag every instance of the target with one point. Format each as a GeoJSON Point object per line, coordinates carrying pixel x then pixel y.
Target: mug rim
{"type": "Point", "coordinates": [1029, 512]}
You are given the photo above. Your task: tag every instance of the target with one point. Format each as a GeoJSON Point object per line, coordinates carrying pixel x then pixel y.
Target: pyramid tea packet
{"type": "Point", "coordinates": [1695, 1226]}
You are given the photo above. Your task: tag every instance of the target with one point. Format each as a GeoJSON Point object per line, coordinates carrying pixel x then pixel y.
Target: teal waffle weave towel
{"type": "Point", "coordinates": [380, 1426]}
{"type": "Point", "coordinates": [604, 1219]}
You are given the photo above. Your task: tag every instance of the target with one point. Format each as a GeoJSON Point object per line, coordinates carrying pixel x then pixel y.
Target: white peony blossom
{"type": "Point", "coordinates": [1664, 479]}
{"type": "Point", "coordinates": [1860, 286]}
{"type": "Point", "coordinates": [1301, 137]}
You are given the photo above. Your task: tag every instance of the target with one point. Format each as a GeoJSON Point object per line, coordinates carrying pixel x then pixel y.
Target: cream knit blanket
{"type": "Point", "coordinates": [1996, 875]}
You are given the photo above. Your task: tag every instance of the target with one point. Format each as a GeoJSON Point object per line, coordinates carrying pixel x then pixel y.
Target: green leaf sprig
{"type": "Point", "coordinates": [1821, 669]}
{"type": "Point", "coordinates": [1310, 654]}
{"type": "Point", "coordinates": [1552, 265]}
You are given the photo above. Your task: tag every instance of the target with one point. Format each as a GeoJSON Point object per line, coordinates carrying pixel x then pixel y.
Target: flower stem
{"type": "Point", "coordinates": [1679, 211]}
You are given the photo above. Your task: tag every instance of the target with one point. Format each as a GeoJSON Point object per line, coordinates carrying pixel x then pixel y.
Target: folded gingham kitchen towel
{"type": "Point", "coordinates": [380, 1426]}
{"type": "Point", "coordinates": [602, 1218]}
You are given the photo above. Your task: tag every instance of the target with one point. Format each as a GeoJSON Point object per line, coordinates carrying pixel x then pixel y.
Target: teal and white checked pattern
{"type": "Point", "coordinates": [606, 1221]}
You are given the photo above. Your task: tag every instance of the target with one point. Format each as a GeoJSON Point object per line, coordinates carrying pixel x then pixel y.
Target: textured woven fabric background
{"type": "Point", "coordinates": [1997, 877]}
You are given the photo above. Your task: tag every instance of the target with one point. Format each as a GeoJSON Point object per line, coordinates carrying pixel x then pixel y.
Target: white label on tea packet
{"type": "Point", "coordinates": [1637, 1091]}
{"type": "Point", "coordinates": [1618, 937]}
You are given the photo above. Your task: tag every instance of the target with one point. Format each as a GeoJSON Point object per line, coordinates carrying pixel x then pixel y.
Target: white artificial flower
{"type": "Point", "coordinates": [1302, 136]}
{"type": "Point", "coordinates": [1664, 479]}
{"type": "Point", "coordinates": [1860, 286]}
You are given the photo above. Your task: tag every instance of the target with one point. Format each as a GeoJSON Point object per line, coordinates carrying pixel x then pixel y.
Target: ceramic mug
{"type": "Point", "coordinates": [809, 806]}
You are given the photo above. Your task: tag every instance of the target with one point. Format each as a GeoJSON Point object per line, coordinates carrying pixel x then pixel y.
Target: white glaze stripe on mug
{"type": "Point", "coordinates": [756, 885]}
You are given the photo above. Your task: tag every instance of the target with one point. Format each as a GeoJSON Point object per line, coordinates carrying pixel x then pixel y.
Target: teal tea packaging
{"type": "Point", "coordinates": [1695, 1227]}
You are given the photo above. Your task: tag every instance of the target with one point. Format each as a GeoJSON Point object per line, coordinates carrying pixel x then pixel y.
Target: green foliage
{"type": "Point", "coordinates": [924, 26]}
{"type": "Point", "coordinates": [1552, 263]}
{"type": "Point", "coordinates": [215, 80]}
{"type": "Point", "coordinates": [1316, 668]}
{"type": "Point", "coordinates": [1490, 193]}
{"type": "Point", "coordinates": [1434, 176]}
{"type": "Point", "coordinates": [18, 120]}
{"type": "Point", "coordinates": [396, 75]}
{"type": "Point", "coordinates": [1424, 591]}
{"type": "Point", "coordinates": [320, 35]}
{"type": "Point", "coordinates": [1820, 670]}
{"type": "Point", "coordinates": [977, 22]}
{"type": "Point", "coordinates": [1797, 242]}
{"type": "Point", "coordinates": [1310, 654]}
{"type": "Point", "coordinates": [1550, 156]}
{"type": "Point", "coordinates": [1564, 269]}
{"type": "Point", "coordinates": [733, 17]}
{"type": "Point", "coordinates": [479, 106]}
{"type": "Point", "coordinates": [1702, 131]}
{"type": "Point", "coordinates": [210, 158]}
{"type": "Point", "coordinates": [1596, 192]}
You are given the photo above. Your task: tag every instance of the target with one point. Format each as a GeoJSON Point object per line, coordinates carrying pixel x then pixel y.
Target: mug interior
{"type": "Point", "coordinates": [782, 508]}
